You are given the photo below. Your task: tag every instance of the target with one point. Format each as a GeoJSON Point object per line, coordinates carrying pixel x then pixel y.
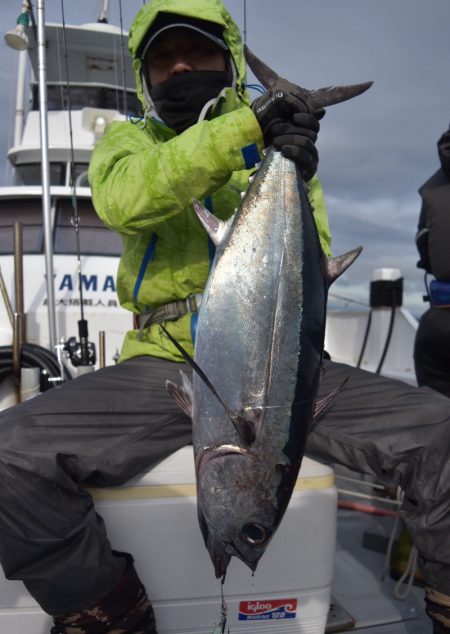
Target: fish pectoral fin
{"type": "Point", "coordinates": [336, 266]}
{"type": "Point", "coordinates": [182, 395]}
{"type": "Point", "coordinates": [245, 427]}
{"type": "Point", "coordinates": [321, 406]}
{"type": "Point", "coordinates": [247, 422]}
{"type": "Point", "coordinates": [179, 394]}
{"type": "Point", "coordinates": [216, 229]}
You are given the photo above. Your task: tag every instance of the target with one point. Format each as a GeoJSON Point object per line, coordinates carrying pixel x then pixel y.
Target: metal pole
{"type": "Point", "coordinates": [19, 315]}
{"type": "Point", "coordinates": [42, 79]}
{"type": "Point", "coordinates": [6, 299]}
{"type": "Point", "coordinates": [20, 98]}
{"type": "Point", "coordinates": [103, 16]}
{"type": "Point", "coordinates": [18, 279]}
{"type": "Point", "coordinates": [101, 354]}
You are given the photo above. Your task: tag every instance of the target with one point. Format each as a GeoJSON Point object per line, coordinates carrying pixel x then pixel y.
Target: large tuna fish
{"type": "Point", "coordinates": [258, 355]}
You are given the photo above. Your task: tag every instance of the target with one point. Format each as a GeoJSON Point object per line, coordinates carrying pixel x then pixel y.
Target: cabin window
{"type": "Point", "coordinates": [31, 174]}
{"type": "Point", "coordinates": [29, 214]}
{"type": "Point", "coordinates": [95, 238]}
{"type": "Point", "coordinates": [84, 96]}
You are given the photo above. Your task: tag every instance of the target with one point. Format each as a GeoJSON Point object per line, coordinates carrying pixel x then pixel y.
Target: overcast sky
{"type": "Point", "coordinates": [376, 150]}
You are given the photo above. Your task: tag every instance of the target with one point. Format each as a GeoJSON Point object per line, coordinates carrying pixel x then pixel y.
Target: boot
{"type": "Point", "coordinates": [438, 609]}
{"type": "Point", "coordinates": [126, 609]}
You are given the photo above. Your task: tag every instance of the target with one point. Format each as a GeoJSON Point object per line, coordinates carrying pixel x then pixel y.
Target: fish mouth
{"type": "Point", "coordinates": [220, 561]}
{"type": "Point", "coordinates": [221, 555]}
{"type": "Point", "coordinates": [218, 551]}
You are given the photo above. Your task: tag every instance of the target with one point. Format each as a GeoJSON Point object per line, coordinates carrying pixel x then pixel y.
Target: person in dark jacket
{"type": "Point", "coordinates": [432, 344]}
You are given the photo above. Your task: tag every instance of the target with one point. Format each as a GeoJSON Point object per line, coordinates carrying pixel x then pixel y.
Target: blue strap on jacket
{"type": "Point", "coordinates": [439, 293]}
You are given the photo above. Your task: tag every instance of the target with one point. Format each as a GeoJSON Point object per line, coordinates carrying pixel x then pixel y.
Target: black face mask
{"type": "Point", "coordinates": [444, 151]}
{"type": "Point", "coordinates": [179, 100]}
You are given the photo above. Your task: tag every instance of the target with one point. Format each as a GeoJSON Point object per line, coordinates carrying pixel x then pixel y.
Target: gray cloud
{"type": "Point", "coordinates": [375, 151]}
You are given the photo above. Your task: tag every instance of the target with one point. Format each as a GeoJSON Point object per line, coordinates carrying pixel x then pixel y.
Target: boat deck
{"type": "Point", "coordinates": [359, 589]}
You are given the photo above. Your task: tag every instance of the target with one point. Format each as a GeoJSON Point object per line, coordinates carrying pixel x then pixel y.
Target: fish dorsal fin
{"type": "Point", "coordinates": [321, 98]}
{"type": "Point", "coordinates": [243, 425]}
{"type": "Point", "coordinates": [336, 266]}
{"type": "Point", "coordinates": [216, 229]}
{"type": "Point", "coordinates": [182, 395]}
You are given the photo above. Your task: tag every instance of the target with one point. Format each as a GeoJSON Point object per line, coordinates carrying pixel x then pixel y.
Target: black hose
{"type": "Point", "coordinates": [384, 294]}
{"type": "Point", "coordinates": [366, 337]}
{"type": "Point", "coordinates": [32, 356]}
{"type": "Point", "coordinates": [388, 339]}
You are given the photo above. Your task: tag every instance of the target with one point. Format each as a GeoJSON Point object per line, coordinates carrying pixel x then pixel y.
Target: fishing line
{"type": "Point", "coordinates": [244, 427]}
{"type": "Point", "coordinates": [244, 32]}
{"type": "Point", "coordinates": [193, 364]}
{"type": "Point", "coordinates": [75, 219]}
{"type": "Point", "coordinates": [220, 629]}
{"type": "Point", "coordinates": [256, 87]}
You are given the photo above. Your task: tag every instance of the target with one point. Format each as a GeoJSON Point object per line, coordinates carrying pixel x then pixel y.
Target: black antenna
{"type": "Point", "coordinates": [122, 59]}
{"type": "Point", "coordinates": [245, 22]}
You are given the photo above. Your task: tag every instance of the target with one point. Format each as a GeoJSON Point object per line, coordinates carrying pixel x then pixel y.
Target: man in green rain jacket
{"type": "Point", "coordinates": [144, 176]}
{"type": "Point", "coordinates": [200, 137]}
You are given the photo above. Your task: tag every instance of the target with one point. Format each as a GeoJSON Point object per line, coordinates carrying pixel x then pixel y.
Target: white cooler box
{"type": "Point", "coordinates": [155, 518]}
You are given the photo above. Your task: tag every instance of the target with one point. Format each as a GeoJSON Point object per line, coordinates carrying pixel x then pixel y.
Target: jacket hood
{"type": "Point", "coordinates": [212, 10]}
{"type": "Point", "coordinates": [444, 151]}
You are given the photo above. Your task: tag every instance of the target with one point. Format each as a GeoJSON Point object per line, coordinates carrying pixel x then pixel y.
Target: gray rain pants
{"type": "Point", "coordinates": [106, 427]}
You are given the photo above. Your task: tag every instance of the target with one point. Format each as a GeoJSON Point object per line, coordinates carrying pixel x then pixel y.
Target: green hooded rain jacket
{"type": "Point", "coordinates": [143, 178]}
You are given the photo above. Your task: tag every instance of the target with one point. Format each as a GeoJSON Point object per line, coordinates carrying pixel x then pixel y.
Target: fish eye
{"type": "Point", "coordinates": [254, 534]}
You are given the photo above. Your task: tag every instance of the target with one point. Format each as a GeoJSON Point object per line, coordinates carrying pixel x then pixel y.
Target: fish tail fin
{"type": "Point", "coordinates": [322, 97]}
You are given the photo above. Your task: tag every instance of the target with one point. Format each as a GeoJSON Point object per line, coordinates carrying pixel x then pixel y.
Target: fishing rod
{"type": "Point", "coordinates": [122, 61]}
{"type": "Point", "coordinates": [45, 172]}
{"type": "Point", "coordinates": [82, 353]}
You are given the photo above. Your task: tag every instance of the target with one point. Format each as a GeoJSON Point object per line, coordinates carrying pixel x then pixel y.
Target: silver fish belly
{"type": "Point", "coordinates": [260, 342]}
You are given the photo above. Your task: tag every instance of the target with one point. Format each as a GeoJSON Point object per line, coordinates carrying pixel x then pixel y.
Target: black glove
{"type": "Point", "coordinates": [296, 141]}
{"type": "Point", "coordinates": [279, 104]}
